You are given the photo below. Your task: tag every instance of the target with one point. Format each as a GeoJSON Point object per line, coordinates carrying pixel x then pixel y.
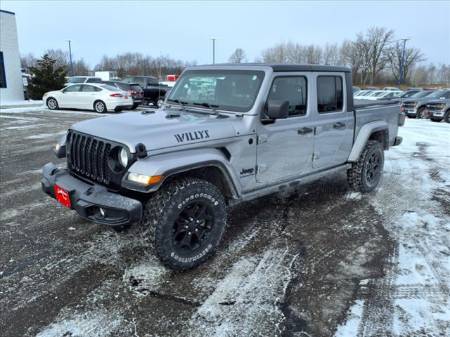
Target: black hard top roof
{"type": "Point", "coordinates": [289, 67]}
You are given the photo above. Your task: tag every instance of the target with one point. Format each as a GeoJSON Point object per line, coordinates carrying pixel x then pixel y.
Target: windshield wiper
{"type": "Point", "coordinates": [206, 105]}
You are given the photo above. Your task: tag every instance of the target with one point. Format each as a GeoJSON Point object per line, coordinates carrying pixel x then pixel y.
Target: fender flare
{"type": "Point", "coordinates": [363, 136]}
{"type": "Point", "coordinates": [173, 163]}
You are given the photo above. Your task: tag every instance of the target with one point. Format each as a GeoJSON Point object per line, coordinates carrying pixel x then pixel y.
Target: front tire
{"type": "Point", "coordinates": [436, 119]}
{"type": "Point", "coordinates": [447, 116]}
{"type": "Point", "coordinates": [186, 220]}
{"type": "Point", "coordinates": [420, 113]}
{"type": "Point", "coordinates": [52, 103]}
{"type": "Point", "coordinates": [100, 107]}
{"type": "Point", "coordinates": [365, 174]}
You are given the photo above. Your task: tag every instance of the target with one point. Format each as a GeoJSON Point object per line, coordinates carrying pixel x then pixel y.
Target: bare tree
{"type": "Point", "coordinates": [80, 68]}
{"type": "Point", "coordinates": [375, 44]}
{"type": "Point", "coordinates": [331, 54]}
{"type": "Point", "coordinates": [395, 55]}
{"type": "Point", "coordinates": [238, 56]}
{"type": "Point", "coordinates": [28, 61]}
{"type": "Point", "coordinates": [61, 57]}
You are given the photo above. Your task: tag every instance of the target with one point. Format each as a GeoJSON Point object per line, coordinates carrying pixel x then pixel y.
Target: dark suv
{"type": "Point", "coordinates": [133, 89]}
{"type": "Point", "coordinates": [154, 92]}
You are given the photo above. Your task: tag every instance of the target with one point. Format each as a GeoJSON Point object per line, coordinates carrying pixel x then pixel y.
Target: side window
{"type": "Point", "coordinates": [292, 89]}
{"type": "Point", "coordinates": [330, 96]}
{"type": "Point", "coordinates": [72, 88]}
{"type": "Point", "coordinates": [2, 72]}
{"type": "Point", "coordinates": [87, 88]}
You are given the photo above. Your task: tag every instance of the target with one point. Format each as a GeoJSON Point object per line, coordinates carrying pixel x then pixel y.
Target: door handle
{"type": "Point", "coordinates": [339, 125]}
{"type": "Point", "coordinates": [304, 131]}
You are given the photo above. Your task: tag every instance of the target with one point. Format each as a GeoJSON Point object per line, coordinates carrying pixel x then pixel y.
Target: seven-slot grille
{"type": "Point", "coordinates": [87, 156]}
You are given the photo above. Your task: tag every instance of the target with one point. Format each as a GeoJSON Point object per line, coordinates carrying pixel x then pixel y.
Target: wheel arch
{"type": "Point", "coordinates": [378, 131]}
{"type": "Point", "coordinates": [209, 164]}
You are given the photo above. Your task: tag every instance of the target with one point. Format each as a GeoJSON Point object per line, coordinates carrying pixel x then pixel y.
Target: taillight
{"type": "Point", "coordinates": [116, 95]}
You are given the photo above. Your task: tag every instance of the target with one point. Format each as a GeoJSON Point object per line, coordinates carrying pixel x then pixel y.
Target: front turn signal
{"type": "Point", "coordinates": [143, 179]}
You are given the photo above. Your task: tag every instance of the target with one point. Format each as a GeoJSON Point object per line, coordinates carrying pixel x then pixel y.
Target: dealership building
{"type": "Point", "coordinates": [11, 84]}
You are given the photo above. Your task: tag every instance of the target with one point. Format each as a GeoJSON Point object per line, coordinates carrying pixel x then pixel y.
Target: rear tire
{"type": "Point", "coordinates": [447, 116]}
{"type": "Point", "coordinates": [436, 119]}
{"type": "Point", "coordinates": [100, 107]}
{"type": "Point", "coordinates": [52, 103]}
{"type": "Point", "coordinates": [185, 220]}
{"type": "Point", "coordinates": [365, 174]}
{"type": "Point", "coordinates": [134, 106]}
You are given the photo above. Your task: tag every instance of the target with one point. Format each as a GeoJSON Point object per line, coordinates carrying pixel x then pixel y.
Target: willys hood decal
{"type": "Point", "coordinates": [159, 130]}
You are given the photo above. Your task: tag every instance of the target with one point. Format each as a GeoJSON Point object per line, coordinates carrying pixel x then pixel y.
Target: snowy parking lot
{"type": "Point", "coordinates": [320, 262]}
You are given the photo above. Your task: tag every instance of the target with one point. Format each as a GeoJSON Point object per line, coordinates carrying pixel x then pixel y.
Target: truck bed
{"type": "Point", "coordinates": [366, 112]}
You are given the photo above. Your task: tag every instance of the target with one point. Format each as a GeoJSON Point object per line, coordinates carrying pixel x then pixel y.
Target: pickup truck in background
{"type": "Point", "coordinates": [415, 106]}
{"type": "Point", "coordinates": [226, 134]}
{"type": "Point", "coordinates": [439, 110]}
{"type": "Point", "coordinates": [154, 92]}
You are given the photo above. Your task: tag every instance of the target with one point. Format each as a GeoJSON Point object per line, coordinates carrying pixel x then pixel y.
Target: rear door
{"type": "Point", "coordinates": [284, 149]}
{"type": "Point", "coordinates": [87, 96]}
{"type": "Point", "coordinates": [333, 136]}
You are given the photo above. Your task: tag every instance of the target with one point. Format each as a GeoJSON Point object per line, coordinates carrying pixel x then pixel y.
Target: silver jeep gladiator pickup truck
{"type": "Point", "coordinates": [225, 134]}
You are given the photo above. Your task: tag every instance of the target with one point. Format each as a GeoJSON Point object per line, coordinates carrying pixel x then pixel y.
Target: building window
{"type": "Point", "coordinates": [2, 72]}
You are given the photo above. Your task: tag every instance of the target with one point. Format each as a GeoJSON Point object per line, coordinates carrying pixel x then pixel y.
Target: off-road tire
{"type": "Point", "coordinates": [52, 103]}
{"type": "Point", "coordinates": [357, 174]}
{"type": "Point", "coordinates": [165, 207]}
{"type": "Point", "coordinates": [98, 105]}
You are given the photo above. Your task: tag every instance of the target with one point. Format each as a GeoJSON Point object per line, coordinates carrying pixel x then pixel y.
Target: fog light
{"type": "Point", "coordinates": [102, 212]}
{"type": "Point", "coordinates": [144, 179]}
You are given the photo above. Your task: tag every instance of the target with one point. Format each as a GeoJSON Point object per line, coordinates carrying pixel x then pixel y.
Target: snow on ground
{"type": "Point", "coordinates": [414, 198]}
{"type": "Point", "coordinates": [22, 103]}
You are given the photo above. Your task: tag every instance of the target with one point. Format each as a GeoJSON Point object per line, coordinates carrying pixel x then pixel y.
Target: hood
{"type": "Point", "coordinates": [161, 129]}
{"type": "Point", "coordinates": [439, 101]}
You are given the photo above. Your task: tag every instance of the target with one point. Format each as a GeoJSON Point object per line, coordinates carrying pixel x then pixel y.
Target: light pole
{"type": "Point", "coordinates": [70, 58]}
{"type": "Point", "coordinates": [213, 50]}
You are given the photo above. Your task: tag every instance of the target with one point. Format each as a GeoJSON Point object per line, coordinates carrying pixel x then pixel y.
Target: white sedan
{"type": "Point", "coordinates": [98, 97]}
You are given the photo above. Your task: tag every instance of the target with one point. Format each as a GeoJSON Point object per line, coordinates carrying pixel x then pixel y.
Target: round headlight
{"type": "Point", "coordinates": [123, 157]}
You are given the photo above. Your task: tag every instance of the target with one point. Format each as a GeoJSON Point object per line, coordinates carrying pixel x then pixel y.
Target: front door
{"type": "Point", "coordinates": [334, 124]}
{"type": "Point", "coordinates": [69, 98]}
{"type": "Point", "coordinates": [285, 146]}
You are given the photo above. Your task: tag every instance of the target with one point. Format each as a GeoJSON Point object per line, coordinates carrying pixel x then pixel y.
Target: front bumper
{"type": "Point", "coordinates": [88, 200]}
{"type": "Point", "coordinates": [437, 113]}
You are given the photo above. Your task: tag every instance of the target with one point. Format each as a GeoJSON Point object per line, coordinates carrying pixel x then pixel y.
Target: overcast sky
{"type": "Point", "coordinates": [183, 30]}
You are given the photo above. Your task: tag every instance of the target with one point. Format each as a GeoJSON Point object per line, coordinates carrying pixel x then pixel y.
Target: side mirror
{"type": "Point", "coordinates": [277, 109]}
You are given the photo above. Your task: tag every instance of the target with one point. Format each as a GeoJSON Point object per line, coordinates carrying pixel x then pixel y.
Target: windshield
{"type": "Point", "coordinates": [421, 94]}
{"type": "Point", "coordinates": [76, 79]}
{"type": "Point", "coordinates": [232, 90]}
{"type": "Point", "coordinates": [437, 94]}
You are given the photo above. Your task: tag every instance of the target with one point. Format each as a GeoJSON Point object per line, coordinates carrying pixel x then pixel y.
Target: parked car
{"type": "Point", "coordinates": [355, 89]}
{"type": "Point", "coordinates": [410, 92]}
{"type": "Point", "coordinates": [391, 89]}
{"type": "Point", "coordinates": [133, 89]}
{"type": "Point", "coordinates": [98, 97]}
{"type": "Point", "coordinates": [439, 110]}
{"type": "Point", "coordinates": [385, 95]}
{"type": "Point", "coordinates": [213, 144]}
{"type": "Point", "coordinates": [154, 92]}
{"type": "Point", "coordinates": [82, 79]}
{"type": "Point", "coordinates": [361, 94]}
{"type": "Point", "coordinates": [372, 88]}
{"type": "Point", "coordinates": [416, 105]}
